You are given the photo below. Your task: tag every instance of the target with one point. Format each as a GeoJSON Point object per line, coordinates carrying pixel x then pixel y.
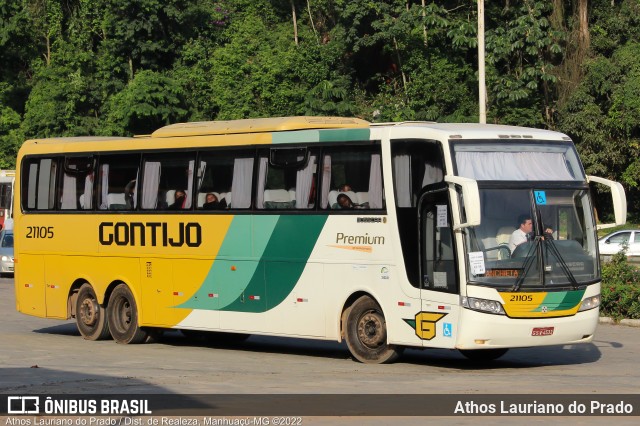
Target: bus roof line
{"type": "Point", "coordinates": [400, 123]}
{"type": "Point", "coordinates": [258, 125]}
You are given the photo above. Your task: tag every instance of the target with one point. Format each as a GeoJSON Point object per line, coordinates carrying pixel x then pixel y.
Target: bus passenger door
{"type": "Point", "coordinates": [437, 322]}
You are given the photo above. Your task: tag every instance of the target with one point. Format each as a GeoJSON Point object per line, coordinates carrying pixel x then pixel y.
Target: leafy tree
{"type": "Point", "coordinates": [522, 49]}
{"type": "Point", "coordinates": [10, 138]}
{"type": "Point", "coordinates": [151, 100]}
{"type": "Point", "coordinates": [602, 116]}
{"type": "Point", "coordinates": [110, 67]}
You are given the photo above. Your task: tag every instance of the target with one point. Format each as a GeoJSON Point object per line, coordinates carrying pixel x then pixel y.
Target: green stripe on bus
{"type": "Point", "coordinates": [282, 263]}
{"type": "Point", "coordinates": [293, 137]}
{"type": "Point", "coordinates": [330, 135]}
{"type": "Point", "coordinates": [228, 278]}
{"type": "Point", "coordinates": [281, 248]}
{"type": "Point", "coordinates": [340, 135]}
{"type": "Point", "coordinates": [561, 301]}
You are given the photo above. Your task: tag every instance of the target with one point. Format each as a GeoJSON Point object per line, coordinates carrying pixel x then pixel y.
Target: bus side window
{"type": "Point", "coordinates": [287, 179]}
{"type": "Point", "coordinates": [223, 173]}
{"type": "Point", "coordinates": [117, 187]}
{"type": "Point", "coordinates": [39, 183]}
{"type": "Point", "coordinates": [164, 176]}
{"type": "Point", "coordinates": [76, 185]}
{"type": "Point", "coordinates": [415, 165]}
{"type": "Point", "coordinates": [354, 172]}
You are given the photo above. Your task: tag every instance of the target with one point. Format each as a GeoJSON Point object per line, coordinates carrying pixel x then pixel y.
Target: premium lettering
{"type": "Point", "coordinates": [365, 239]}
{"type": "Point", "coordinates": [150, 234]}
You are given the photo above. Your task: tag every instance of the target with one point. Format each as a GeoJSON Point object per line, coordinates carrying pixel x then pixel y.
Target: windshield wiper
{"type": "Point", "coordinates": [526, 266]}
{"type": "Point", "coordinates": [565, 268]}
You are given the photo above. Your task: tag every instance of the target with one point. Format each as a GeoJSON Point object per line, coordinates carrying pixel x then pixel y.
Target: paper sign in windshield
{"type": "Point", "coordinates": [441, 221]}
{"type": "Point", "coordinates": [476, 262]}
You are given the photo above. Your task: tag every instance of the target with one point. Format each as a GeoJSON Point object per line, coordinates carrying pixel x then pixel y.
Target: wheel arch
{"type": "Point", "coordinates": [348, 303]}
{"type": "Point", "coordinates": [75, 288]}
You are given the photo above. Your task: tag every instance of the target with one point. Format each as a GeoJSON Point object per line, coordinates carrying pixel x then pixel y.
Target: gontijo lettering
{"type": "Point", "coordinates": [150, 233]}
{"type": "Point", "coordinates": [358, 239]}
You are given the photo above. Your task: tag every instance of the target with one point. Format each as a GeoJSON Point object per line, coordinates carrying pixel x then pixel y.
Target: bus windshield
{"type": "Point", "coordinates": [518, 161]}
{"type": "Point", "coordinates": [532, 238]}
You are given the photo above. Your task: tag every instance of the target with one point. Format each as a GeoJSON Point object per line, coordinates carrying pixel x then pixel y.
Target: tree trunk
{"type": "Point", "coordinates": [404, 77]}
{"type": "Point", "coordinates": [583, 17]}
{"type": "Point", "coordinates": [424, 27]}
{"type": "Point", "coordinates": [311, 20]}
{"type": "Point", "coordinates": [295, 23]}
{"type": "Point", "coordinates": [47, 56]}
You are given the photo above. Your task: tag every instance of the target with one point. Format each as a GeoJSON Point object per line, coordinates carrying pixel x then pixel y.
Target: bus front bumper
{"type": "Point", "coordinates": [485, 331]}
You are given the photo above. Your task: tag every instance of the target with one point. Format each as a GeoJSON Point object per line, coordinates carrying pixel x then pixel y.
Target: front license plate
{"type": "Point", "coordinates": [542, 331]}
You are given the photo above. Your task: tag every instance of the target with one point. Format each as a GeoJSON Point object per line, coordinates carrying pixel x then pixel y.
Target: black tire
{"type": "Point", "coordinates": [483, 355]}
{"type": "Point", "coordinates": [365, 331]}
{"type": "Point", "coordinates": [91, 317]}
{"type": "Point", "coordinates": [123, 317]}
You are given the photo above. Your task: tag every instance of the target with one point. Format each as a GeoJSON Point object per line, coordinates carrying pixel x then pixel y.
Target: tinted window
{"type": "Point", "coordinates": [352, 178]}
{"type": "Point", "coordinates": [228, 175]}
{"type": "Point", "coordinates": [117, 181]}
{"type": "Point", "coordinates": [39, 183]}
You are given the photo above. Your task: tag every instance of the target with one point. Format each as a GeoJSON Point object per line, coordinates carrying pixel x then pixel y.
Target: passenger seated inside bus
{"type": "Point", "coordinates": [344, 202]}
{"type": "Point", "coordinates": [180, 199]}
{"type": "Point", "coordinates": [353, 200]}
{"type": "Point", "coordinates": [212, 202]}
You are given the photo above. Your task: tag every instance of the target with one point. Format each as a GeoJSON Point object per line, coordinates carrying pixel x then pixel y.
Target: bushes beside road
{"type": "Point", "coordinates": [620, 289]}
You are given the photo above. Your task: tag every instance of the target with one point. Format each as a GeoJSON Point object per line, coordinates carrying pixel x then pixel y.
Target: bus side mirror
{"type": "Point", "coordinates": [470, 201]}
{"type": "Point", "coordinates": [619, 201]}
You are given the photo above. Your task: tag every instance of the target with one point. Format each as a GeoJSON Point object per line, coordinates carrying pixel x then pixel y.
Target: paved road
{"type": "Point", "coordinates": [48, 357]}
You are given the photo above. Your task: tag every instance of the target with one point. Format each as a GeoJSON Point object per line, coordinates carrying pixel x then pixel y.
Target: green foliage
{"type": "Point", "coordinates": [110, 67]}
{"type": "Point", "coordinates": [10, 136]}
{"type": "Point", "coordinates": [603, 117]}
{"type": "Point", "coordinates": [151, 100]}
{"type": "Point", "coordinates": [521, 53]}
{"type": "Point", "coordinates": [620, 289]}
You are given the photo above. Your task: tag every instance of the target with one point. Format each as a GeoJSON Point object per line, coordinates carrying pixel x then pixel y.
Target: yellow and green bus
{"type": "Point", "coordinates": [385, 236]}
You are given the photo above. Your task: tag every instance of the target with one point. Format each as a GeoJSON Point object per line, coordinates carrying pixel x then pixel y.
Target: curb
{"type": "Point", "coordinates": [627, 322]}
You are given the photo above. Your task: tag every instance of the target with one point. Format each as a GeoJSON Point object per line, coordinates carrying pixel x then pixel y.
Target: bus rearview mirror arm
{"type": "Point", "coordinates": [619, 201]}
{"type": "Point", "coordinates": [471, 198]}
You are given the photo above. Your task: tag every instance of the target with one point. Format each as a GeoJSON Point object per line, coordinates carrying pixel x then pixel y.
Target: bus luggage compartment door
{"type": "Point", "coordinates": [30, 287]}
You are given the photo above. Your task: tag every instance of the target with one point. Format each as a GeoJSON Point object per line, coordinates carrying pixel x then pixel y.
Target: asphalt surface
{"type": "Point", "coordinates": [41, 356]}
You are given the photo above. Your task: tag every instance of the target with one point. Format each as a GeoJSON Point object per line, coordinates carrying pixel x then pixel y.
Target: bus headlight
{"type": "Point", "coordinates": [482, 305]}
{"type": "Point", "coordinates": [5, 258]}
{"type": "Point", "coordinates": [590, 303]}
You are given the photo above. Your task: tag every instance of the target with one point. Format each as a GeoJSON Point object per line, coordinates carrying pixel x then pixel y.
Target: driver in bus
{"type": "Point", "coordinates": [522, 234]}
{"type": "Point", "coordinates": [525, 233]}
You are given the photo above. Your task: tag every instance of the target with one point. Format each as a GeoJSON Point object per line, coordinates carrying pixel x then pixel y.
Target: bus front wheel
{"type": "Point", "coordinates": [123, 317]}
{"type": "Point", "coordinates": [366, 333]}
{"type": "Point", "coordinates": [91, 317]}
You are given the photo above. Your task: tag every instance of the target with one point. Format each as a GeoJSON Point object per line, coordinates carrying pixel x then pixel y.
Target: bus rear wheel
{"type": "Point", "coordinates": [483, 355]}
{"type": "Point", "coordinates": [91, 317]}
{"type": "Point", "coordinates": [123, 317]}
{"type": "Point", "coordinates": [366, 333]}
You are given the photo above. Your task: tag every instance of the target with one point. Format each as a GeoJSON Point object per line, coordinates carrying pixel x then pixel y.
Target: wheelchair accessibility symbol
{"type": "Point", "coordinates": [447, 329]}
{"type": "Point", "coordinates": [541, 197]}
